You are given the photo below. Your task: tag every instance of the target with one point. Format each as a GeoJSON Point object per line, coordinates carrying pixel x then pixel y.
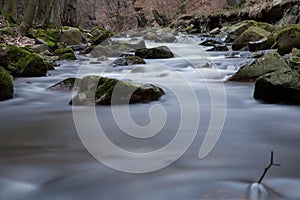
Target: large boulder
{"type": "Point", "coordinates": [252, 34]}
{"type": "Point", "coordinates": [71, 36]}
{"type": "Point", "coordinates": [154, 53]}
{"type": "Point", "coordinates": [107, 91]}
{"type": "Point", "coordinates": [6, 85]}
{"type": "Point", "coordinates": [279, 87]}
{"type": "Point", "coordinates": [288, 38]}
{"type": "Point", "coordinates": [267, 63]}
{"type": "Point", "coordinates": [31, 65]}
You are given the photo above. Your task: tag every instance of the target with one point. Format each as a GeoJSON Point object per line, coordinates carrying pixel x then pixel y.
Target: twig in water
{"type": "Point", "coordinates": [268, 167]}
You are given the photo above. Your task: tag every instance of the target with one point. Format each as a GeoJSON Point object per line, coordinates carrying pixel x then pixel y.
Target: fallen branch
{"type": "Point", "coordinates": [268, 167]}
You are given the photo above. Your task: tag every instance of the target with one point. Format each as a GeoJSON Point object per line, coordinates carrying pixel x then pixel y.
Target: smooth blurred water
{"type": "Point", "coordinates": [42, 157]}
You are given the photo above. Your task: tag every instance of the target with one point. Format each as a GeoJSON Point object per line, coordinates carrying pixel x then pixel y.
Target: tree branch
{"type": "Point", "coordinates": [268, 168]}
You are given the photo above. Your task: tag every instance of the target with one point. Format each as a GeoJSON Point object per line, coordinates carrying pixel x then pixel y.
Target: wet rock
{"type": "Point", "coordinates": [266, 64]}
{"type": "Point", "coordinates": [252, 34]}
{"type": "Point", "coordinates": [65, 54]}
{"type": "Point", "coordinates": [6, 85]}
{"type": "Point", "coordinates": [279, 87]}
{"type": "Point", "coordinates": [219, 47]}
{"type": "Point", "coordinates": [155, 53]}
{"type": "Point", "coordinates": [65, 85]}
{"type": "Point", "coordinates": [106, 91]}
{"type": "Point", "coordinates": [288, 38]}
{"type": "Point", "coordinates": [128, 60]}
{"type": "Point", "coordinates": [71, 36]}
{"type": "Point", "coordinates": [211, 42]}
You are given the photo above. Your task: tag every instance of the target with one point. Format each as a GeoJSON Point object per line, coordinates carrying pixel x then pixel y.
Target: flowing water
{"type": "Point", "coordinates": [42, 156]}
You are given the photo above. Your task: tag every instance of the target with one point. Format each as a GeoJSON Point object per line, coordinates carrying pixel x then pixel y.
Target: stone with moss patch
{"type": "Point", "coordinates": [14, 53]}
{"type": "Point", "coordinates": [48, 36]}
{"type": "Point", "coordinates": [32, 65]}
{"type": "Point", "coordinates": [71, 36]}
{"type": "Point", "coordinates": [6, 85]}
{"type": "Point", "coordinates": [107, 91]}
{"type": "Point", "coordinates": [267, 63]}
{"type": "Point", "coordinates": [154, 53]}
{"type": "Point", "coordinates": [252, 34]}
{"type": "Point", "coordinates": [128, 60]}
{"type": "Point", "coordinates": [288, 38]}
{"type": "Point", "coordinates": [279, 87]}
{"type": "Point", "coordinates": [65, 54]}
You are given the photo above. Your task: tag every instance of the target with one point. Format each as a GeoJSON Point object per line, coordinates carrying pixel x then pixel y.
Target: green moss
{"type": "Point", "coordinates": [63, 51]}
{"type": "Point", "coordinates": [7, 31]}
{"type": "Point", "coordinates": [49, 36]}
{"type": "Point", "coordinates": [31, 66]}
{"type": "Point", "coordinates": [6, 85]}
{"type": "Point", "coordinates": [65, 54]}
{"type": "Point", "coordinates": [68, 56]}
{"type": "Point", "coordinates": [15, 53]}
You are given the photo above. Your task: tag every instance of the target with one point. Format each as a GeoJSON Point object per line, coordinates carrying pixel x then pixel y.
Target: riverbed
{"type": "Point", "coordinates": [42, 155]}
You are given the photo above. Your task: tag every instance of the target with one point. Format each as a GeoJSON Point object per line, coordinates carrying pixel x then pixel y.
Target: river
{"type": "Point", "coordinates": [42, 155]}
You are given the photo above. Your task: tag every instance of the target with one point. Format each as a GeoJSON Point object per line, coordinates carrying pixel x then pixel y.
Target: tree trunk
{"type": "Point", "coordinates": [10, 10]}
{"type": "Point", "coordinates": [70, 13]}
{"type": "Point", "coordinates": [29, 14]}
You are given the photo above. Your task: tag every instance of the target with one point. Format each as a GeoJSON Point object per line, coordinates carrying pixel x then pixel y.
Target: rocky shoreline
{"type": "Point", "coordinates": [275, 41]}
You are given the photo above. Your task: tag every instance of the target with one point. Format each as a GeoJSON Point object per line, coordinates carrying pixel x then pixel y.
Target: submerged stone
{"type": "Point", "coordinates": [279, 87]}
{"type": "Point", "coordinates": [6, 85]}
{"type": "Point", "coordinates": [107, 91]}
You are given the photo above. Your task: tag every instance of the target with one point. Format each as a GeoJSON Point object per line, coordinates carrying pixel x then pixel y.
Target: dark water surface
{"type": "Point", "coordinates": [42, 156]}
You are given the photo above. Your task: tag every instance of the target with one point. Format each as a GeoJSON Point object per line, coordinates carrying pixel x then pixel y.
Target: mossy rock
{"type": "Point", "coordinates": [288, 38]}
{"type": "Point", "coordinates": [6, 85]}
{"type": "Point", "coordinates": [128, 60]}
{"type": "Point", "coordinates": [99, 35]}
{"type": "Point", "coordinates": [279, 87]}
{"type": "Point", "coordinates": [293, 59]}
{"type": "Point", "coordinates": [14, 53]}
{"type": "Point", "coordinates": [155, 53]}
{"type": "Point", "coordinates": [239, 28]}
{"type": "Point", "coordinates": [252, 34]}
{"type": "Point", "coordinates": [266, 64]}
{"type": "Point", "coordinates": [95, 90]}
{"type": "Point", "coordinates": [32, 65]}
{"type": "Point", "coordinates": [65, 54]}
{"type": "Point", "coordinates": [48, 36]}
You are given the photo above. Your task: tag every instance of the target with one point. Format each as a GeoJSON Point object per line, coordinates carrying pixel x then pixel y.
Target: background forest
{"type": "Point", "coordinates": [114, 15]}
